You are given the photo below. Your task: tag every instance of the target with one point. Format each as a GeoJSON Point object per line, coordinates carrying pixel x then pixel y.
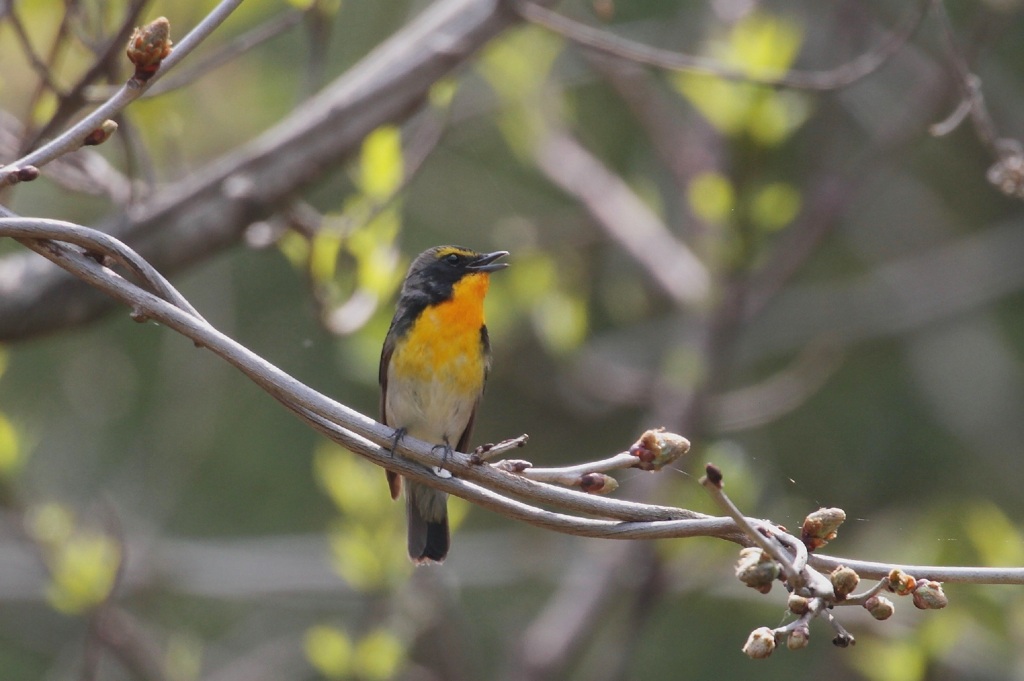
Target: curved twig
{"type": "Point", "coordinates": [30, 230]}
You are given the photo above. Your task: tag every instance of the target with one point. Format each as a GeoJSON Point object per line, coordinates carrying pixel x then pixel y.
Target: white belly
{"type": "Point", "coordinates": [436, 410]}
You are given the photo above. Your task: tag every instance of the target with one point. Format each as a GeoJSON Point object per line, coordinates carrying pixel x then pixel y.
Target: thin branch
{"type": "Point", "coordinates": [571, 617]}
{"type": "Point", "coordinates": [780, 393]}
{"type": "Point", "coordinates": [616, 46]}
{"type": "Point", "coordinates": [618, 461]}
{"type": "Point", "coordinates": [124, 637]}
{"type": "Point", "coordinates": [488, 451]}
{"type": "Point", "coordinates": [41, 68]}
{"type": "Point", "coordinates": [74, 98]}
{"type": "Point", "coordinates": [86, 171]}
{"type": "Point", "coordinates": [969, 85]}
{"type": "Point", "coordinates": [30, 230]}
{"type": "Point", "coordinates": [1007, 173]}
{"type": "Point", "coordinates": [759, 535]}
{"type": "Point", "coordinates": [939, 573]}
{"type": "Point", "coordinates": [224, 54]}
{"type": "Point", "coordinates": [73, 138]}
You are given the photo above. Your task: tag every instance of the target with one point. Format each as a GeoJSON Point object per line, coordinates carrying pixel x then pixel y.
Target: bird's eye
{"type": "Point", "coordinates": [452, 259]}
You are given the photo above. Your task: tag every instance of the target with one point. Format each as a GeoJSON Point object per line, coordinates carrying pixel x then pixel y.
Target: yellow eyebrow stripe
{"type": "Point", "coordinates": [448, 250]}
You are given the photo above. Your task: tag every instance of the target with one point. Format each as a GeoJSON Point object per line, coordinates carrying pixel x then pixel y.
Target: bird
{"type": "Point", "coordinates": [433, 367]}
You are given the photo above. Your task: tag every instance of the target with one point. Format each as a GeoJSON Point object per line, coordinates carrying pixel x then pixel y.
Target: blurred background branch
{"type": "Point", "coordinates": [191, 220]}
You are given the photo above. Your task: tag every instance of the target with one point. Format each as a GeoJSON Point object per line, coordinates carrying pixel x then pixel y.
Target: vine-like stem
{"type": "Point", "coordinates": [482, 485]}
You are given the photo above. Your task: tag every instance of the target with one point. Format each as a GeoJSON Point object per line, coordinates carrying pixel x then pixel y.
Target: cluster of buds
{"type": "Point", "coordinates": [821, 527]}
{"type": "Point", "coordinates": [757, 570]}
{"type": "Point", "coordinates": [762, 641]}
{"type": "Point", "coordinates": [925, 593]}
{"type": "Point", "coordinates": [657, 448]}
{"type": "Point", "coordinates": [148, 46]}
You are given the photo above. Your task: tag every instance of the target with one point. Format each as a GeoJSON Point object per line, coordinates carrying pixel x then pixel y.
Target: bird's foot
{"type": "Point", "coordinates": [446, 450]}
{"type": "Point", "coordinates": [399, 434]}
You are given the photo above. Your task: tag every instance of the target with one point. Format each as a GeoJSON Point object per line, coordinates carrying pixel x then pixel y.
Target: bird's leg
{"type": "Point", "coordinates": [399, 434]}
{"type": "Point", "coordinates": [446, 450]}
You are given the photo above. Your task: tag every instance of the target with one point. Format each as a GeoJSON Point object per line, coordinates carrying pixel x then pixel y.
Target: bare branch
{"type": "Point", "coordinates": [1007, 173]}
{"type": "Point", "coordinates": [39, 65]}
{"type": "Point", "coordinates": [624, 216]}
{"type": "Point", "coordinates": [972, 102]}
{"type": "Point", "coordinates": [760, 535]}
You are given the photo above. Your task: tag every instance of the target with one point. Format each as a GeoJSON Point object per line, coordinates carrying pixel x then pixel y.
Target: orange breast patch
{"type": "Point", "coordinates": [444, 344]}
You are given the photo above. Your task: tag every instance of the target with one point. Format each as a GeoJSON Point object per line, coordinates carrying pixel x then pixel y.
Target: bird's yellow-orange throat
{"type": "Point", "coordinates": [445, 342]}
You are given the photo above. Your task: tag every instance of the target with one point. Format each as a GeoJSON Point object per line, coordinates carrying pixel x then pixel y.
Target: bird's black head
{"type": "Point", "coordinates": [435, 271]}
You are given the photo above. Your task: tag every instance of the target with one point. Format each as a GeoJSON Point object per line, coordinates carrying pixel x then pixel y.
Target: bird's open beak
{"type": "Point", "coordinates": [486, 262]}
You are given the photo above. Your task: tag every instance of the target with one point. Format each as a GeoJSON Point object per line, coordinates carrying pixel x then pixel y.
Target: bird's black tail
{"type": "Point", "coordinates": [426, 511]}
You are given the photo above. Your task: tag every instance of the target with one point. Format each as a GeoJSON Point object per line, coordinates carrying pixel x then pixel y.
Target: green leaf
{"type": "Point", "coordinates": [82, 572]}
{"type": "Point", "coordinates": [764, 45]}
{"type": "Point", "coordinates": [711, 197]}
{"type": "Point", "coordinates": [516, 66]}
{"type": "Point", "coordinates": [561, 321]}
{"type": "Point", "coordinates": [760, 45]}
{"type": "Point", "coordinates": [881, 660]}
{"type": "Point", "coordinates": [996, 539]}
{"type": "Point", "coordinates": [381, 167]}
{"type": "Point", "coordinates": [184, 657]}
{"type": "Point", "coordinates": [379, 656]}
{"type": "Point", "coordinates": [356, 488]}
{"type": "Point", "coordinates": [774, 206]}
{"type": "Point", "coordinates": [329, 650]}
{"type": "Point", "coordinates": [11, 454]}
{"type": "Point", "coordinates": [323, 257]}
{"type": "Point", "coordinates": [295, 248]}
{"type": "Point", "coordinates": [443, 92]}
